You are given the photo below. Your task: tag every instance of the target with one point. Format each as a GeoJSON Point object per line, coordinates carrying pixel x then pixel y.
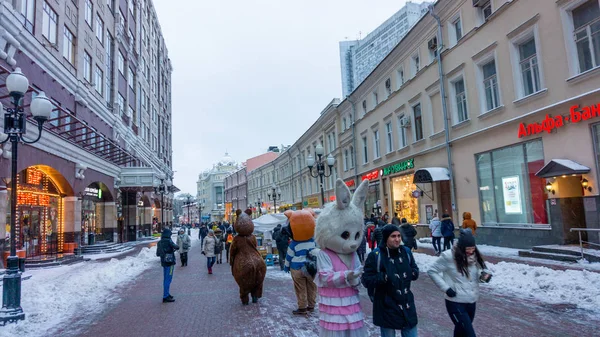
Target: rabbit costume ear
{"type": "Point", "coordinates": [342, 194]}
{"type": "Point", "coordinates": [360, 195]}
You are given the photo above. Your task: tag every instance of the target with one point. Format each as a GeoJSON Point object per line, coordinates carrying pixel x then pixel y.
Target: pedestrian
{"type": "Point", "coordinates": [210, 242]}
{"type": "Point", "coordinates": [386, 217]}
{"type": "Point", "coordinates": [362, 249]}
{"type": "Point", "coordinates": [469, 223]}
{"type": "Point", "coordinates": [458, 272]}
{"type": "Point", "coordinates": [369, 234]}
{"type": "Point", "coordinates": [166, 250]}
{"type": "Point", "coordinates": [377, 235]}
{"type": "Point", "coordinates": [436, 234]}
{"type": "Point", "coordinates": [219, 246]}
{"type": "Point", "coordinates": [447, 231]}
{"type": "Point", "coordinates": [202, 233]}
{"type": "Point", "coordinates": [228, 241]}
{"type": "Point", "coordinates": [389, 271]}
{"type": "Point", "coordinates": [282, 239]}
{"type": "Point", "coordinates": [408, 234]}
{"type": "Point", "coordinates": [396, 220]}
{"type": "Point", "coordinates": [185, 243]}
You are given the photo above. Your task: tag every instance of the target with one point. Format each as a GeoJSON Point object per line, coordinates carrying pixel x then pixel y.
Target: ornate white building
{"type": "Point", "coordinates": [211, 188]}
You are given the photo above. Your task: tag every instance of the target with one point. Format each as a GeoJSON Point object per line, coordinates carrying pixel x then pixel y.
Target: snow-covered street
{"type": "Point", "coordinates": [122, 297]}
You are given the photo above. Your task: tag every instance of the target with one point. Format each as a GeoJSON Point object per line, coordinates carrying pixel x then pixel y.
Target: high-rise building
{"type": "Point", "coordinates": [104, 66]}
{"type": "Point", "coordinates": [359, 57]}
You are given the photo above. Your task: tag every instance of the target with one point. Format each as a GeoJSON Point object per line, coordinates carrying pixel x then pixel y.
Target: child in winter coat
{"type": "Point", "coordinates": [469, 223]}
{"type": "Point", "coordinates": [436, 235]}
{"type": "Point", "coordinates": [458, 272]}
{"type": "Point", "coordinates": [447, 231]}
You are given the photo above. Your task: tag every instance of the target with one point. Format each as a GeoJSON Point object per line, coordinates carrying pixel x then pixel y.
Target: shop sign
{"type": "Point", "coordinates": [371, 175]}
{"type": "Point", "coordinates": [332, 198]}
{"type": "Point", "coordinates": [313, 202]}
{"type": "Point", "coordinates": [399, 167]}
{"type": "Point", "coordinates": [550, 123]}
{"type": "Point", "coordinates": [350, 183]}
{"type": "Point", "coordinates": [93, 192]}
{"type": "Point", "coordinates": [511, 190]}
{"type": "Point", "coordinates": [32, 198]}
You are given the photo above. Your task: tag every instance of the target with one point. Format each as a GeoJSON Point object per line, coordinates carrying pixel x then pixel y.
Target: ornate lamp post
{"type": "Point", "coordinates": [320, 167]}
{"type": "Point", "coordinates": [15, 122]}
{"type": "Point", "coordinates": [274, 195]}
{"type": "Point", "coordinates": [189, 205]}
{"type": "Point", "coordinates": [200, 207]}
{"type": "Point", "coordinates": [258, 204]}
{"type": "Point", "coordinates": [161, 189]}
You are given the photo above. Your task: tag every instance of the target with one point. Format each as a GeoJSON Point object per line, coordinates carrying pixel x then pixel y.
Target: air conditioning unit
{"type": "Point", "coordinates": [432, 44]}
{"type": "Point", "coordinates": [404, 122]}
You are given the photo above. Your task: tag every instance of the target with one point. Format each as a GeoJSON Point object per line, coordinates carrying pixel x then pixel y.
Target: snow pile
{"type": "Point", "coordinates": [52, 297]}
{"type": "Point", "coordinates": [277, 274]}
{"type": "Point", "coordinates": [579, 287]}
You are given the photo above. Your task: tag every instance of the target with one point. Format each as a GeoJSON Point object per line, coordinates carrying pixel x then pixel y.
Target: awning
{"type": "Point", "coordinates": [559, 167]}
{"type": "Point", "coordinates": [431, 174]}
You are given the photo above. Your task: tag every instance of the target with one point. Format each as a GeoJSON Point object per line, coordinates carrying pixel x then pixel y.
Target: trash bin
{"type": "Point", "coordinates": [22, 264]}
{"type": "Point", "coordinates": [91, 239]}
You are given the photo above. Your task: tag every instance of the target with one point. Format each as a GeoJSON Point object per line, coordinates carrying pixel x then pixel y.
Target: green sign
{"type": "Point", "coordinates": [399, 167]}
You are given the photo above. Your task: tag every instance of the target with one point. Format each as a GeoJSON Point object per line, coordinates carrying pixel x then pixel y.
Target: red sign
{"type": "Point", "coordinates": [371, 175]}
{"type": "Point", "coordinates": [332, 198]}
{"type": "Point", "coordinates": [350, 183]}
{"type": "Point", "coordinates": [550, 123]}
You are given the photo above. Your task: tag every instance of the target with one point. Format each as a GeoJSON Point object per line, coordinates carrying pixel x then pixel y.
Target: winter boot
{"type": "Point", "coordinates": [300, 311]}
{"type": "Point", "coordinates": [210, 270]}
{"type": "Point", "coordinates": [254, 299]}
{"type": "Point", "coordinates": [168, 299]}
{"type": "Point", "coordinates": [310, 309]}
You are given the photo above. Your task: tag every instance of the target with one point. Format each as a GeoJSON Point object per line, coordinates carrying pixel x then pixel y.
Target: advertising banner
{"type": "Point", "coordinates": [512, 195]}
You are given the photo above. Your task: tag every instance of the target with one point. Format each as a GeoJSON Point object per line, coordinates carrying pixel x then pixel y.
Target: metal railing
{"type": "Point", "coordinates": [581, 242]}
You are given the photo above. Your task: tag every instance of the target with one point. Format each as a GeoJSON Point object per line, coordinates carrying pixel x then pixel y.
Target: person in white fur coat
{"type": "Point", "coordinates": [338, 234]}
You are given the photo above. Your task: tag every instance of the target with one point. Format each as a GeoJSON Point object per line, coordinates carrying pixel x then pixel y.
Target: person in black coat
{"type": "Point", "coordinates": [202, 233]}
{"type": "Point", "coordinates": [377, 236]}
{"type": "Point", "coordinates": [282, 239]}
{"type": "Point", "coordinates": [447, 231]}
{"type": "Point", "coordinates": [388, 273]}
{"type": "Point", "coordinates": [408, 234]}
{"type": "Point", "coordinates": [166, 250]}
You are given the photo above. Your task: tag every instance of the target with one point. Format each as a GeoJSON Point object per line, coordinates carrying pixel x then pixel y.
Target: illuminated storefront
{"type": "Point", "coordinates": [373, 202]}
{"type": "Point", "coordinates": [92, 215]}
{"type": "Point", "coordinates": [404, 201]}
{"type": "Point", "coordinates": [40, 214]}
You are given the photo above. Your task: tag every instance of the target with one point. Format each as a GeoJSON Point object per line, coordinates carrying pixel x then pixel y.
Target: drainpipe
{"type": "Point", "coordinates": [292, 174]}
{"type": "Point", "coordinates": [445, 110]}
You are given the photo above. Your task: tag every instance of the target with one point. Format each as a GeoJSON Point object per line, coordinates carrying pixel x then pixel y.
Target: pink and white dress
{"type": "Point", "coordinates": [340, 313]}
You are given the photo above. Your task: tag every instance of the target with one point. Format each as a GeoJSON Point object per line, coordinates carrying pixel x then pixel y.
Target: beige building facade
{"type": "Point", "coordinates": [518, 84]}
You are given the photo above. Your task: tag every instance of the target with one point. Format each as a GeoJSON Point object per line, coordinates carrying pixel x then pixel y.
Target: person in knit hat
{"type": "Point", "coordinates": [458, 272]}
{"type": "Point", "coordinates": [388, 273]}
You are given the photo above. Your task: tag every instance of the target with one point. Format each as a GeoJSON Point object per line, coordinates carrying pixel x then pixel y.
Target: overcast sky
{"type": "Point", "coordinates": [253, 73]}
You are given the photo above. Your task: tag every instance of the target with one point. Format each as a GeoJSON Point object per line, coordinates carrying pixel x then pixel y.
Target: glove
{"type": "Point", "coordinates": [450, 292]}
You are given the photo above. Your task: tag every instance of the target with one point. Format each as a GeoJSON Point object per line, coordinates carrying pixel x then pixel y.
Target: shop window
{"type": "Point", "coordinates": [404, 203]}
{"type": "Point", "coordinates": [509, 191]}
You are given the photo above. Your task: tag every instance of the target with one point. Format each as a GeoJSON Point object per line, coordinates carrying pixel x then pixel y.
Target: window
{"type": "Point", "coordinates": [364, 108]}
{"type": "Point", "coordinates": [121, 102]}
{"type": "Point", "coordinates": [432, 45]}
{"type": "Point", "coordinates": [346, 160]}
{"type": "Point", "coordinates": [389, 137]}
{"type": "Point", "coordinates": [99, 80]}
{"type": "Point", "coordinates": [344, 124]}
{"type": "Point", "coordinates": [121, 22]}
{"type": "Point", "coordinates": [460, 100]}
{"type": "Point", "coordinates": [352, 161]}
{"type": "Point", "coordinates": [131, 78]}
{"type": "Point", "coordinates": [110, 5]}
{"type": "Point", "coordinates": [49, 23]}
{"type": "Point", "coordinates": [586, 24]}
{"type": "Point", "coordinates": [121, 63]}
{"type": "Point", "coordinates": [99, 28]}
{"type": "Point", "coordinates": [375, 99]}
{"type": "Point", "coordinates": [490, 85]}
{"type": "Point", "coordinates": [388, 87]}
{"type": "Point", "coordinates": [89, 10]}
{"type": "Point", "coordinates": [418, 122]}
{"type": "Point", "coordinates": [454, 30]}
{"type": "Point", "coordinates": [365, 151]}
{"type": "Point", "coordinates": [528, 63]}
{"type": "Point", "coordinates": [457, 24]}
{"type": "Point", "coordinates": [416, 64]}
{"type": "Point", "coordinates": [376, 151]}
{"type": "Point", "coordinates": [509, 191]}
{"type": "Point", "coordinates": [69, 46]}
{"type": "Point", "coordinates": [87, 67]}
{"type": "Point", "coordinates": [401, 132]}
{"type": "Point", "coordinates": [400, 77]}
{"type": "Point", "coordinates": [485, 10]}
{"type": "Point", "coordinates": [28, 14]}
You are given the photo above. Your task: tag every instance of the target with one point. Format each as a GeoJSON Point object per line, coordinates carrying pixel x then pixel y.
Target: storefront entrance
{"type": "Point", "coordinates": [404, 202]}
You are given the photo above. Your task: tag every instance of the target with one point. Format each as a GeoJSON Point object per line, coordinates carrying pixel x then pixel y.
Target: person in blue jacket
{"type": "Point", "coordinates": [447, 231]}
{"type": "Point", "coordinates": [166, 250]}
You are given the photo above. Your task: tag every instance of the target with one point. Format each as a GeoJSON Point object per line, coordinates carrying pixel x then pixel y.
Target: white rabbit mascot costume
{"type": "Point", "coordinates": [338, 234]}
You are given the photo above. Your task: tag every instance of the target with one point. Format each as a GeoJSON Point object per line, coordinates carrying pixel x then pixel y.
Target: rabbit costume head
{"type": "Point", "coordinates": [340, 223]}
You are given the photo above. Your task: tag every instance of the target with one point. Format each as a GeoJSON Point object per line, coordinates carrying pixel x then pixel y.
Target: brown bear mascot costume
{"type": "Point", "coordinates": [247, 265]}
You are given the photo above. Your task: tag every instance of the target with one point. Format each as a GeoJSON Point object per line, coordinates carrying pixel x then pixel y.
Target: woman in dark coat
{"type": "Point", "coordinates": [408, 234]}
{"type": "Point", "coordinates": [166, 250]}
{"type": "Point", "coordinates": [447, 231]}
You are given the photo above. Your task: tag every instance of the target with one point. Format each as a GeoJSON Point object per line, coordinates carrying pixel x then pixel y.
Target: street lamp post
{"type": "Point", "coordinates": [200, 207]}
{"type": "Point", "coordinates": [258, 204]}
{"type": "Point", "coordinates": [162, 188]}
{"type": "Point", "coordinates": [15, 122]}
{"type": "Point", "coordinates": [320, 167]}
{"type": "Point", "coordinates": [274, 195]}
{"type": "Point", "coordinates": [189, 200]}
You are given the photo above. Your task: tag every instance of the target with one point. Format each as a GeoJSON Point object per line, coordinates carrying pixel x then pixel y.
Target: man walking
{"type": "Point", "coordinates": [389, 271]}
{"type": "Point", "coordinates": [202, 233]}
{"type": "Point", "coordinates": [281, 239]}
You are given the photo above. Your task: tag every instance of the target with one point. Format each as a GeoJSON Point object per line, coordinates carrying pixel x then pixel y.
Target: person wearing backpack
{"type": "Point", "coordinates": [447, 231]}
{"type": "Point", "coordinates": [185, 243]}
{"type": "Point", "coordinates": [388, 273]}
{"type": "Point", "coordinates": [166, 250]}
